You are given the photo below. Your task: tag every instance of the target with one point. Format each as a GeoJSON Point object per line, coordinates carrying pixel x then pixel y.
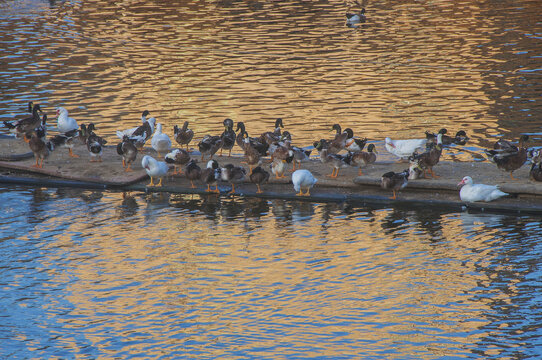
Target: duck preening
{"type": "Point", "coordinates": [128, 151]}
{"type": "Point", "coordinates": [303, 179]}
{"type": "Point", "coordinates": [429, 158]}
{"type": "Point", "coordinates": [472, 192]}
{"type": "Point", "coordinates": [183, 135]}
{"type": "Point", "coordinates": [155, 169]}
{"type": "Point", "coordinates": [258, 177]}
{"type": "Point", "coordinates": [178, 158]}
{"type": "Point", "coordinates": [507, 156]}
{"type": "Point", "coordinates": [394, 181]}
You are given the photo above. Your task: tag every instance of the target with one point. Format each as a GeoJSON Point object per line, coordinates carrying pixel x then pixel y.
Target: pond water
{"type": "Point", "coordinates": [105, 275]}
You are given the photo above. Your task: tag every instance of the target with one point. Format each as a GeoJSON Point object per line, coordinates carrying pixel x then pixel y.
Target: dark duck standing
{"type": "Point", "coordinates": [95, 144]}
{"type": "Point", "coordinates": [227, 137]}
{"type": "Point", "coordinates": [259, 176]}
{"type": "Point", "coordinates": [209, 145]}
{"type": "Point", "coordinates": [394, 181]}
{"type": "Point", "coordinates": [179, 158]}
{"type": "Point", "coordinates": [128, 151]}
{"type": "Point", "coordinates": [430, 157]}
{"type": "Point", "coordinates": [21, 127]}
{"type": "Point", "coordinates": [233, 175]}
{"type": "Point", "coordinates": [183, 135]}
{"type": "Point", "coordinates": [210, 175]}
{"type": "Point", "coordinates": [40, 148]}
{"type": "Point", "coordinates": [507, 156]}
{"type": "Point", "coordinates": [192, 172]}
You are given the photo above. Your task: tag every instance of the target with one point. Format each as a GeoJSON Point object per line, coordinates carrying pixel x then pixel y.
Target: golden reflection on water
{"type": "Point", "coordinates": [411, 67]}
{"type": "Point", "coordinates": [168, 274]}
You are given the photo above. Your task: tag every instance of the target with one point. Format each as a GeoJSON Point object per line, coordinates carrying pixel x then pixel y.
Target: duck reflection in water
{"type": "Point", "coordinates": [128, 206]}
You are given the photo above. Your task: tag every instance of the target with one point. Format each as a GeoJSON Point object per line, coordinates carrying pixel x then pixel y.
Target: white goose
{"type": "Point", "coordinates": [64, 122]}
{"type": "Point", "coordinates": [155, 169]}
{"type": "Point", "coordinates": [404, 148]}
{"type": "Point", "coordinates": [303, 179]}
{"type": "Point", "coordinates": [160, 141]}
{"type": "Point", "coordinates": [471, 192]}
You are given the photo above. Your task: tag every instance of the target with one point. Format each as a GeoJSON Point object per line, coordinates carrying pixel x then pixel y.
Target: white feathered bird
{"type": "Point", "coordinates": [65, 123]}
{"type": "Point", "coordinates": [155, 169]}
{"type": "Point", "coordinates": [160, 141]}
{"type": "Point", "coordinates": [471, 192]}
{"type": "Point", "coordinates": [303, 179]}
{"type": "Point", "coordinates": [404, 148]}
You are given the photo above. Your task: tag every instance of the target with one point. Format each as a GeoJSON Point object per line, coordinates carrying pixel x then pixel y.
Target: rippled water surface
{"type": "Point", "coordinates": [102, 275]}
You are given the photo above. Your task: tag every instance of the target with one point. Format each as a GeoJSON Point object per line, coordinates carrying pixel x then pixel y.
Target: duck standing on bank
{"type": "Point", "coordinates": [471, 192]}
{"type": "Point", "coordinates": [155, 169]}
{"type": "Point", "coordinates": [430, 157]}
{"type": "Point", "coordinates": [128, 151]}
{"type": "Point", "coordinates": [507, 156]}
{"type": "Point", "coordinates": [23, 126]}
{"type": "Point", "coordinates": [178, 158]}
{"type": "Point", "coordinates": [227, 137]}
{"type": "Point", "coordinates": [160, 141]}
{"type": "Point", "coordinates": [95, 144]}
{"type": "Point", "coordinates": [233, 175]}
{"type": "Point", "coordinates": [209, 145]}
{"type": "Point", "coordinates": [394, 181]}
{"type": "Point", "coordinates": [192, 172]}
{"type": "Point", "coordinates": [303, 179]}
{"type": "Point", "coordinates": [183, 135]}
{"type": "Point", "coordinates": [210, 176]}
{"type": "Point", "coordinates": [40, 148]}
{"type": "Point", "coordinates": [258, 177]}
{"type": "Point", "coordinates": [364, 158]}
{"type": "Point", "coordinates": [404, 148]}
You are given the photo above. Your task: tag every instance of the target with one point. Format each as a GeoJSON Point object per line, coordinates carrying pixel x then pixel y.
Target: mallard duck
{"type": "Point", "coordinates": [535, 173]}
{"type": "Point", "coordinates": [278, 168]}
{"type": "Point", "coordinates": [183, 135]}
{"type": "Point", "coordinates": [507, 156]}
{"type": "Point", "coordinates": [140, 134]}
{"type": "Point", "coordinates": [42, 127]}
{"type": "Point", "coordinates": [65, 123]}
{"type": "Point", "coordinates": [128, 151]}
{"type": "Point", "coordinates": [300, 155]}
{"type": "Point", "coordinates": [227, 137]}
{"type": "Point", "coordinates": [404, 148]}
{"type": "Point", "coordinates": [233, 174]}
{"type": "Point", "coordinates": [339, 142]}
{"type": "Point", "coordinates": [258, 177]}
{"type": "Point", "coordinates": [26, 125]}
{"type": "Point", "coordinates": [459, 139]}
{"type": "Point", "coordinates": [210, 175]}
{"type": "Point", "coordinates": [155, 169]}
{"type": "Point", "coordinates": [270, 137]}
{"type": "Point", "coordinates": [471, 192]}
{"type": "Point", "coordinates": [353, 144]}
{"type": "Point", "coordinates": [430, 157]}
{"type": "Point", "coordinates": [507, 146]}
{"type": "Point", "coordinates": [335, 160]}
{"type": "Point", "coordinates": [252, 156]}
{"type": "Point", "coordinates": [67, 140]}
{"type": "Point", "coordinates": [95, 144]}
{"type": "Point", "coordinates": [160, 141]}
{"type": "Point", "coordinates": [40, 148]}
{"type": "Point", "coordinates": [394, 181]}
{"type": "Point", "coordinates": [364, 158]}
{"type": "Point", "coordinates": [303, 179]}
{"type": "Point", "coordinates": [179, 158]}
{"type": "Point", "coordinates": [209, 145]}
{"type": "Point", "coordinates": [192, 172]}
{"type": "Point", "coordinates": [281, 151]}
{"type": "Point", "coordinates": [355, 18]}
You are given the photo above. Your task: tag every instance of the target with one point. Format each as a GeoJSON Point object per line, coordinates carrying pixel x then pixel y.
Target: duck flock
{"type": "Point", "coordinates": [343, 150]}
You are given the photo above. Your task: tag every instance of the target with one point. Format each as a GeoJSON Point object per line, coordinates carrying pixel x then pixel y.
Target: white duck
{"type": "Point", "coordinates": [471, 192]}
{"type": "Point", "coordinates": [303, 179]}
{"type": "Point", "coordinates": [404, 148]}
{"type": "Point", "coordinates": [64, 122]}
{"type": "Point", "coordinates": [155, 169]}
{"type": "Point", "coordinates": [160, 141]}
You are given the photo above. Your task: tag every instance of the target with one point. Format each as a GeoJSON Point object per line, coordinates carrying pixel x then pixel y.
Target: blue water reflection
{"type": "Point", "coordinates": [107, 275]}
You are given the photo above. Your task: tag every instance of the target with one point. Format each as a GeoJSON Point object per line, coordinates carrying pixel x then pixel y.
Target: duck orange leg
{"type": "Point", "coordinates": [394, 197]}
{"type": "Point", "coordinates": [36, 165]}
{"type": "Point", "coordinates": [232, 188]}
{"type": "Point", "coordinates": [72, 154]}
{"type": "Point", "coordinates": [128, 168]}
{"type": "Point", "coordinates": [359, 172]}
{"type": "Point", "coordinates": [152, 182]}
{"type": "Point", "coordinates": [259, 189]}
{"type": "Point", "coordinates": [159, 182]}
{"type": "Point", "coordinates": [512, 176]}
{"type": "Point", "coordinates": [192, 184]}
{"type": "Point", "coordinates": [332, 174]}
{"type": "Point", "coordinates": [308, 193]}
